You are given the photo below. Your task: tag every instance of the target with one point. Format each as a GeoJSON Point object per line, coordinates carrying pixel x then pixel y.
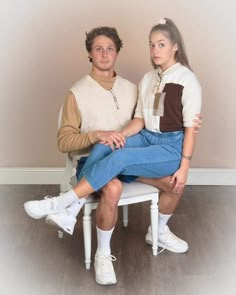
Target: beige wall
{"type": "Point", "coordinates": [43, 54]}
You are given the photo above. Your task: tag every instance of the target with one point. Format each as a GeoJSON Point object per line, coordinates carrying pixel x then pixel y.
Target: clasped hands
{"type": "Point", "coordinates": [112, 138]}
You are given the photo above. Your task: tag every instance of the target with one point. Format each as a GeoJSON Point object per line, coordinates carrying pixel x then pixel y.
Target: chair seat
{"type": "Point", "coordinates": [131, 190]}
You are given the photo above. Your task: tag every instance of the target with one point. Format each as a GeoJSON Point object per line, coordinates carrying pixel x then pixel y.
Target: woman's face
{"type": "Point", "coordinates": [162, 50]}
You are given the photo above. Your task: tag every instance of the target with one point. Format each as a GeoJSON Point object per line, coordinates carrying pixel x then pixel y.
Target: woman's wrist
{"type": "Point", "coordinates": [123, 133]}
{"type": "Point", "coordinates": [185, 164]}
{"type": "Point", "coordinates": [187, 157]}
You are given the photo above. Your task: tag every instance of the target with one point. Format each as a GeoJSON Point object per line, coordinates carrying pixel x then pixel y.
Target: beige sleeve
{"type": "Point", "coordinates": [69, 138]}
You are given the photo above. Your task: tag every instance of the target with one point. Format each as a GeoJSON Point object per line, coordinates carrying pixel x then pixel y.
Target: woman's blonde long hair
{"type": "Point", "coordinates": [170, 30]}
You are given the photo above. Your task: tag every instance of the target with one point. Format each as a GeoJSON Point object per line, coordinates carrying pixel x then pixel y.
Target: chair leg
{"type": "Point", "coordinates": [87, 229]}
{"type": "Point", "coordinates": [65, 183]}
{"type": "Point", "coordinates": [60, 234]}
{"type": "Point", "coordinates": [154, 226]}
{"type": "Point", "coordinates": [125, 215]}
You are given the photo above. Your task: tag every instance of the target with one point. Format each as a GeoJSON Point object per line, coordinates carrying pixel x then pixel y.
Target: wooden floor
{"type": "Point", "coordinates": [33, 261]}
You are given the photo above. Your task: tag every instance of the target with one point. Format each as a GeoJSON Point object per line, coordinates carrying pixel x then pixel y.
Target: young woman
{"type": "Point", "coordinates": [159, 141]}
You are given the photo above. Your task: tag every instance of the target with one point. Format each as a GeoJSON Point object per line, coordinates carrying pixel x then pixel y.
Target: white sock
{"type": "Point", "coordinates": [162, 221]}
{"type": "Point", "coordinates": [76, 206]}
{"type": "Point", "coordinates": [66, 199]}
{"type": "Point", "coordinates": [103, 240]}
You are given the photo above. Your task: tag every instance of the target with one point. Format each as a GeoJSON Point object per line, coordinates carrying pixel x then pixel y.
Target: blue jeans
{"type": "Point", "coordinates": [146, 154]}
{"type": "Point", "coordinates": [99, 152]}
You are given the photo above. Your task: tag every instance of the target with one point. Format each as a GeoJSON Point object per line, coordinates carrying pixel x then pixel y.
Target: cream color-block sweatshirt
{"type": "Point", "coordinates": [93, 104]}
{"type": "Point", "coordinates": [169, 100]}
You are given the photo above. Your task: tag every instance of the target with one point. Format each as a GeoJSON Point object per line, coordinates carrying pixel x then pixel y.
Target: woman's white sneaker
{"type": "Point", "coordinates": [167, 240]}
{"type": "Point", "coordinates": [62, 220]}
{"type": "Point", "coordinates": [40, 209]}
{"type": "Point", "coordinates": [51, 205]}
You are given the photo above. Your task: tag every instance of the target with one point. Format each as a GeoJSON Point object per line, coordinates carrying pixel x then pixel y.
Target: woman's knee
{"type": "Point", "coordinates": [101, 149]}
{"type": "Point", "coordinates": [98, 152]}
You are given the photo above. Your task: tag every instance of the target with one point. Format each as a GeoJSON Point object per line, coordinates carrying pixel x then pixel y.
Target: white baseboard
{"type": "Point", "coordinates": [45, 175]}
{"type": "Point", "coordinates": [31, 175]}
{"type": "Point", "coordinates": [211, 176]}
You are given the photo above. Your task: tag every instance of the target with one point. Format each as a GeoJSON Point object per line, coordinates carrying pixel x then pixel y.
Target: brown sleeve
{"type": "Point", "coordinates": [69, 138]}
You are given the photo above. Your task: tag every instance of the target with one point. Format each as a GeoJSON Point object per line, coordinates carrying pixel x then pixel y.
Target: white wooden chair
{"type": "Point", "coordinates": [132, 193]}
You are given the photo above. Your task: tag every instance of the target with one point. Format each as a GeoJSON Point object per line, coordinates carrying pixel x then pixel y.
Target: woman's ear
{"type": "Point", "coordinates": [175, 47]}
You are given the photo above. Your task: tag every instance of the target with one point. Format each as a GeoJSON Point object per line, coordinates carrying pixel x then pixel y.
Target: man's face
{"type": "Point", "coordinates": [103, 54]}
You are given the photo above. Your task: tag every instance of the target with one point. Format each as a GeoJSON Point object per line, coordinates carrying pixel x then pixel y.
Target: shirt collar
{"type": "Point", "coordinates": [169, 70]}
{"type": "Point", "coordinates": [105, 82]}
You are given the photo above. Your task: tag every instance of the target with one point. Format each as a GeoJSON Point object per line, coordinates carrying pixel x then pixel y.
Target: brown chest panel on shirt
{"type": "Point", "coordinates": [172, 120]}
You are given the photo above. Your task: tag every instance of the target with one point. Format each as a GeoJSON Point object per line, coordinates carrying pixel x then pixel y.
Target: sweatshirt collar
{"type": "Point", "coordinates": [106, 83]}
{"type": "Point", "coordinates": [169, 70]}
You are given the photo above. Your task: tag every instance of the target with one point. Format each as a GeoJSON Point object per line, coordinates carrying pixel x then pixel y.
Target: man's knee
{"type": "Point", "coordinates": [112, 191]}
{"type": "Point", "coordinates": [167, 188]}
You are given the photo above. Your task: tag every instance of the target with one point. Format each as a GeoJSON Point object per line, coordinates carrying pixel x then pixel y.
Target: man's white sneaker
{"type": "Point", "coordinates": [167, 240]}
{"type": "Point", "coordinates": [40, 209]}
{"type": "Point", "coordinates": [62, 220]}
{"type": "Point", "coordinates": [104, 271]}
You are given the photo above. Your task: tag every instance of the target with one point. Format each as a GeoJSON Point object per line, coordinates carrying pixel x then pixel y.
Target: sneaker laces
{"type": "Point", "coordinates": [163, 249]}
{"type": "Point", "coordinates": [105, 261]}
{"type": "Point", "coordinates": [48, 197]}
{"type": "Point", "coordinates": [168, 236]}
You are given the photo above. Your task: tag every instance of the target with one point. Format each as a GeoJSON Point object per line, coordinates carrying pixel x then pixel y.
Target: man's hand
{"type": "Point", "coordinates": [112, 138]}
{"type": "Point", "coordinates": [197, 123]}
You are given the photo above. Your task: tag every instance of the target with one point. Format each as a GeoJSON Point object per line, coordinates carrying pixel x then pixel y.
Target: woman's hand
{"type": "Point", "coordinates": [197, 123]}
{"type": "Point", "coordinates": [179, 178]}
